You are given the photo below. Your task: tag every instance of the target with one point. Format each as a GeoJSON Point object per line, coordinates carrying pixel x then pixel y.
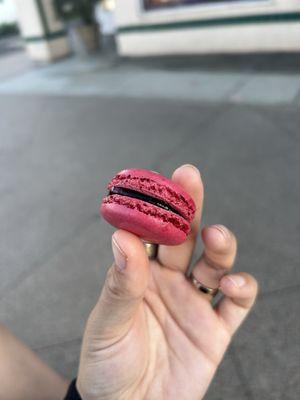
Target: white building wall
{"type": "Point", "coordinates": [43, 33]}
{"type": "Point", "coordinates": [54, 24]}
{"type": "Point", "coordinates": [29, 20]}
{"type": "Point", "coordinates": [242, 37]}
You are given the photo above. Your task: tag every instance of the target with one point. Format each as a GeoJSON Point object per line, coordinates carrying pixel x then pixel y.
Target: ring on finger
{"type": "Point", "coordinates": [201, 287]}
{"type": "Point", "coordinates": [151, 250]}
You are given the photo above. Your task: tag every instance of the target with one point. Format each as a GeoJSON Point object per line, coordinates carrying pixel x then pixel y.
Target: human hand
{"type": "Point", "coordinates": [152, 335]}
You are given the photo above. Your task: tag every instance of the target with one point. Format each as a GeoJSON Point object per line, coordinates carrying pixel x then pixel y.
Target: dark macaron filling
{"type": "Point", "coordinates": [144, 197]}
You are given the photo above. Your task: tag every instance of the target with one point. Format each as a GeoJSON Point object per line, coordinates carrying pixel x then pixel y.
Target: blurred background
{"type": "Point", "coordinates": [88, 88]}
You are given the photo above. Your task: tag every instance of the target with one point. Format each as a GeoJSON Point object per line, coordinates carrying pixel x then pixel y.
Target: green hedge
{"type": "Point", "coordinates": [8, 29]}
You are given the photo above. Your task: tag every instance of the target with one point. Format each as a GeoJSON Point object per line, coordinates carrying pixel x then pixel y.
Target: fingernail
{"type": "Point", "coordinates": [191, 166]}
{"type": "Point", "coordinates": [234, 281]}
{"type": "Point", "coordinates": [119, 255]}
{"type": "Point", "coordinates": [222, 229]}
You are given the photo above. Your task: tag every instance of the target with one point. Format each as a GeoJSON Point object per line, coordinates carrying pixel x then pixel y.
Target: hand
{"type": "Point", "coordinates": [152, 335]}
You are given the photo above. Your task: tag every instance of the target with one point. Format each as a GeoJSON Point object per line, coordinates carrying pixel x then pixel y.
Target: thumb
{"type": "Point", "coordinates": [123, 291]}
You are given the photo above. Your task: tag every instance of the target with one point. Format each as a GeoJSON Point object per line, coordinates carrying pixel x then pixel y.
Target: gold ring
{"type": "Point", "coordinates": [202, 288]}
{"type": "Point", "coordinates": [151, 250]}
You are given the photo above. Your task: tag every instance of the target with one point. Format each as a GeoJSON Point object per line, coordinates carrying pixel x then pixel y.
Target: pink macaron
{"type": "Point", "coordinates": [149, 205]}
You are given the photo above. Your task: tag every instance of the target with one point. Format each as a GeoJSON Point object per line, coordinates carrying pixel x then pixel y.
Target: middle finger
{"type": "Point", "coordinates": [178, 257]}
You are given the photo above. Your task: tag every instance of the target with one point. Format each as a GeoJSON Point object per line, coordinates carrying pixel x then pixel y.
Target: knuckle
{"type": "Point", "coordinates": [231, 249]}
{"type": "Point", "coordinates": [113, 286]}
{"type": "Point", "coordinates": [220, 260]}
{"type": "Point", "coordinates": [117, 287]}
{"type": "Point", "coordinates": [230, 246]}
{"type": "Point", "coordinates": [253, 286]}
{"type": "Point", "coordinates": [230, 239]}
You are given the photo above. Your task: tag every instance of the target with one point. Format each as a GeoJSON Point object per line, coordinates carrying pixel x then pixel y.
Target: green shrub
{"type": "Point", "coordinates": [8, 29]}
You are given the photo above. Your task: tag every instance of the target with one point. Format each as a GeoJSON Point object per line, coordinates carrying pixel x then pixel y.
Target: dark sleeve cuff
{"type": "Point", "coordinates": [72, 393]}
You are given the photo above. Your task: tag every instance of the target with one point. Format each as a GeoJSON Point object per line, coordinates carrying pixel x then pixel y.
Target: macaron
{"type": "Point", "coordinates": [149, 205]}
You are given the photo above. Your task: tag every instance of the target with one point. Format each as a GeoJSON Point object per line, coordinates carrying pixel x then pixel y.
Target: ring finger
{"type": "Point", "coordinates": [178, 257]}
{"type": "Point", "coordinates": [220, 247]}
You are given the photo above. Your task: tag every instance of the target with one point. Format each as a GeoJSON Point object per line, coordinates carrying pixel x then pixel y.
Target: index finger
{"type": "Point", "coordinates": [178, 257]}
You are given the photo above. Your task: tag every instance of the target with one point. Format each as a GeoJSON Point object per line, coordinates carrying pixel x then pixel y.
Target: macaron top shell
{"type": "Point", "coordinates": [154, 184]}
{"type": "Point", "coordinates": [166, 221]}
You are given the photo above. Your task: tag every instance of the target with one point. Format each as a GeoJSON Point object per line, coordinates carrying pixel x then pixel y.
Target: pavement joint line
{"type": "Point", "coordinates": [46, 257]}
{"type": "Point", "coordinates": [261, 111]}
{"type": "Point", "coordinates": [63, 343]}
{"type": "Point", "coordinates": [278, 122]}
{"type": "Point", "coordinates": [186, 140]}
{"type": "Point", "coordinates": [240, 373]}
{"type": "Point", "coordinates": [242, 82]}
{"type": "Point", "coordinates": [296, 101]}
{"type": "Point", "coordinates": [223, 99]}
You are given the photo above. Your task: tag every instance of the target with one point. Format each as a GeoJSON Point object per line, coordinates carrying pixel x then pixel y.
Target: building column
{"type": "Point", "coordinates": [44, 34]}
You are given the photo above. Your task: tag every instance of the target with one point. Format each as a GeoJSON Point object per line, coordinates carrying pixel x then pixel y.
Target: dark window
{"type": "Point", "coordinates": [156, 4]}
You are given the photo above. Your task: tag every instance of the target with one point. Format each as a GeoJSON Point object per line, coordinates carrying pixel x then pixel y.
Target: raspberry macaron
{"type": "Point", "coordinates": [149, 205]}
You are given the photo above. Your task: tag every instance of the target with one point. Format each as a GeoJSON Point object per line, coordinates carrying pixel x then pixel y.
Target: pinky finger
{"type": "Point", "coordinates": [240, 291]}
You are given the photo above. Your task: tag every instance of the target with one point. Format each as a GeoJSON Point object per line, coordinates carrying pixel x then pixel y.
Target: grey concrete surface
{"type": "Point", "coordinates": [11, 44]}
{"type": "Point", "coordinates": [57, 153]}
{"type": "Point", "coordinates": [110, 76]}
{"type": "Point", "coordinates": [271, 361]}
{"type": "Point", "coordinates": [13, 63]}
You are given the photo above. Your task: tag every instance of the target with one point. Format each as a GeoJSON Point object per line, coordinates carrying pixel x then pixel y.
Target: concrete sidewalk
{"type": "Point", "coordinates": [66, 129]}
{"type": "Point", "coordinates": [201, 81]}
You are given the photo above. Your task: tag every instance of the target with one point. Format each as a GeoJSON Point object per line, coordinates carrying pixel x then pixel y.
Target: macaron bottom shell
{"type": "Point", "coordinates": [150, 223]}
